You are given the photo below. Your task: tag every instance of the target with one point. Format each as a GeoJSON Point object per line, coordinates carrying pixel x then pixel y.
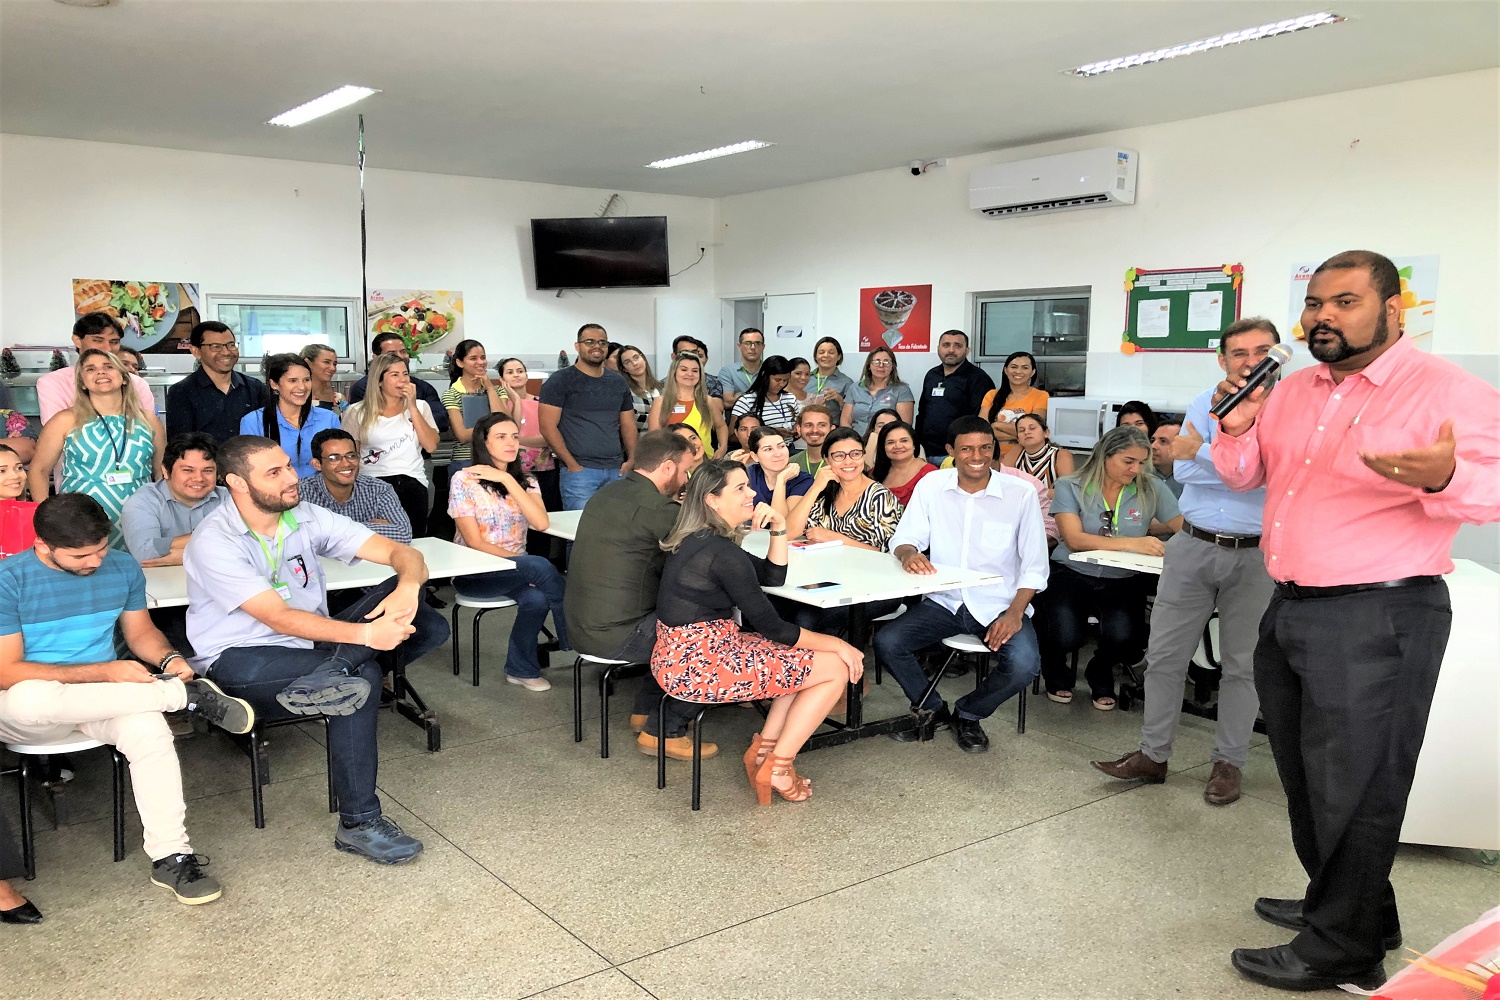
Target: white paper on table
{"type": "Point", "coordinates": [1205, 310]}
{"type": "Point", "coordinates": [1153, 317]}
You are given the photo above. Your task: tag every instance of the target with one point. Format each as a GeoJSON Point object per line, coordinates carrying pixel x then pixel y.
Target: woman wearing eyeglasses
{"type": "Point", "coordinates": [879, 388]}
{"type": "Point", "coordinates": [1111, 503]}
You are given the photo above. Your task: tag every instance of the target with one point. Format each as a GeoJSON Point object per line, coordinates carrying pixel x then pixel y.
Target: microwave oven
{"type": "Point", "coordinates": [1078, 422]}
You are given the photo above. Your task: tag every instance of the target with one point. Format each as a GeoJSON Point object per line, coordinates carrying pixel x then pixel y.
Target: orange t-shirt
{"type": "Point", "coordinates": [1034, 401]}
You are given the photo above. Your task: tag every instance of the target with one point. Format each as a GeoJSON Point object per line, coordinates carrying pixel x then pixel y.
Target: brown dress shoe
{"type": "Point", "coordinates": [1135, 766]}
{"type": "Point", "coordinates": [1223, 785]}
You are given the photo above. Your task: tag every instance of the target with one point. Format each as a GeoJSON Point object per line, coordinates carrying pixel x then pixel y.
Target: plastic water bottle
{"type": "Point", "coordinates": [562, 360]}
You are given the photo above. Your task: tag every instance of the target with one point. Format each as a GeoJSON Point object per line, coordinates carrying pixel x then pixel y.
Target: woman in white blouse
{"type": "Point", "coordinates": [393, 428]}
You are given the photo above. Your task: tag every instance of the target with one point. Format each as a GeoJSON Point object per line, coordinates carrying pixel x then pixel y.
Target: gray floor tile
{"type": "Point", "coordinates": [609, 985]}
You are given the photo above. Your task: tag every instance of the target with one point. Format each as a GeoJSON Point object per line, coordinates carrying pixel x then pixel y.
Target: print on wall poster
{"type": "Point", "coordinates": [895, 316]}
{"type": "Point", "coordinates": [421, 317]}
{"type": "Point", "coordinates": [1419, 287]}
{"type": "Point", "coordinates": [158, 315]}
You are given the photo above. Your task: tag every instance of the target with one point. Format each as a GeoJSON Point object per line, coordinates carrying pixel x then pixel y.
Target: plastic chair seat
{"type": "Point", "coordinates": [973, 645]}
{"type": "Point", "coordinates": [488, 603]}
{"type": "Point", "coordinates": [602, 661]}
{"type": "Point", "coordinates": [480, 606]}
{"type": "Point", "coordinates": [892, 616]}
{"type": "Point", "coordinates": [73, 742]}
{"type": "Point", "coordinates": [967, 644]}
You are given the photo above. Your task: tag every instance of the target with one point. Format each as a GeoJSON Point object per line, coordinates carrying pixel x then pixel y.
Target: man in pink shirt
{"type": "Point", "coordinates": [98, 330]}
{"type": "Point", "coordinates": [1371, 461]}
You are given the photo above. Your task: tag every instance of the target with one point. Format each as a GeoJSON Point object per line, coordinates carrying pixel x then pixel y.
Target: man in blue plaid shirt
{"type": "Point", "coordinates": [340, 488]}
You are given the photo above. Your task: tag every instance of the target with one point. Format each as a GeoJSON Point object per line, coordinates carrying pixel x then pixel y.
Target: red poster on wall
{"type": "Point", "coordinates": [895, 316]}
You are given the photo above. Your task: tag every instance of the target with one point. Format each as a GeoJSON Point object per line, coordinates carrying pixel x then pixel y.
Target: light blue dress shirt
{"type": "Point", "coordinates": [1206, 502]}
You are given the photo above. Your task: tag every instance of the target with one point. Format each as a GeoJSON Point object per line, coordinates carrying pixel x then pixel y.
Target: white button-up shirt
{"type": "Point", "coordinates": [996, 531]}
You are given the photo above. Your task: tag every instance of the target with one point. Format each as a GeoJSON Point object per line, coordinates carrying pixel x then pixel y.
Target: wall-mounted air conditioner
{"type": "Point", "coordinates": [1089, 178]}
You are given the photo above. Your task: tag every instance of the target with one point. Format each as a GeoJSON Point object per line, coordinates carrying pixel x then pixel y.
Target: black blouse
{"type": "Point", "coordinates": [709, 576]}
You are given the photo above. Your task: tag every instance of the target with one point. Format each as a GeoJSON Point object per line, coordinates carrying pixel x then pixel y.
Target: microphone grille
{"type": "Point", "coordinates": [1280, 353]}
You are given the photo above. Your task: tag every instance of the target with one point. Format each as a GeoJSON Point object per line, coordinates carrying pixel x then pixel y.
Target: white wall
{"type": "Point", "coordinates": [1405, 170]}
{"type": "Point", "coordinates": [245, 225]}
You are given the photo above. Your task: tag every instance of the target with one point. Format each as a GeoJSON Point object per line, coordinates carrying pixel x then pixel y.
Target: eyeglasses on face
{"type": "Point", "coordinates": [846, 456]}
{"type": "Point", "coordinates": [217, 348]}
{"type": "Point", "coordinates": [594, 343]}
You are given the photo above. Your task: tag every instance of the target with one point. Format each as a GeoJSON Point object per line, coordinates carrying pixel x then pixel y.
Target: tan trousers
{"type": "Point", "coordinates": [128, 716]}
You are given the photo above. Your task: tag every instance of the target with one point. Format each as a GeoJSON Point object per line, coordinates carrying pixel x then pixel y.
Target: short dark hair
{"type": "Point", "coordinates": [1383, 273]}
{"type": "Point", "coordinates": [195, 335]}
{"type": "Point", "coordinates": [131, 350]}
{"type": "Point", "coordinates": [955, 333]}
{"type": "Point", "coordinates": [184, 443]}
{"type": "Point", "coordinates": [1248, 325]}
{"type": "Point", "coordinates": [328, 434]}
{"type": "Point", "coordinates": [71, 521]}
{"type": "Point", "coordinates": [655, 447]}
{"type": "Point", "coordinates": [95, 322]}
{"type": "Point", "coordinates": [691, 340]}
{"type": "Point", "coordinates": [749, 329]}
{"type": "Point", "coordinates": [1140, 409]}
{"type": "Point", "coordinates": [817, 408]}
{"type": "Point", "coordinates": [968, 425]}
{"type": "Point", "coordinates": [592, 326]}
{"type": "Point", "coordinates": [234, 454]}
{"type": "Point", "coordinates": [381, 338]}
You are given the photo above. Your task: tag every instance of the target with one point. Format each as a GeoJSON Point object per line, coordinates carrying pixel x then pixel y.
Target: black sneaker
{"type": "Point", "coordinates": [324, 692]}
{"type": "Point", "coordinates": [183, 874]}
{"type": "Point", "coordinates": [969, 735]}
{"type": "Point", "coordinates": [207, 701]}
{"type": "Point", "coordinates": [927, 724]}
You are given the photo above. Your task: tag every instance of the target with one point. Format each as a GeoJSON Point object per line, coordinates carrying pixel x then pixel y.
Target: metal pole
{"type": "Point", "coordinates": [364, 281]}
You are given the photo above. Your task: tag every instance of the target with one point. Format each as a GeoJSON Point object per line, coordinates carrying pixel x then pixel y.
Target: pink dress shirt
{"type": "Point", "coordinates": [1329, 521]}
{"type": "Point", "coordinates": [55, 392]}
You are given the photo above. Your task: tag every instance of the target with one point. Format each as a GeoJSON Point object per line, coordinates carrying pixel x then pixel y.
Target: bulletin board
{"type": "Point", "coordinates": [1181, 308]}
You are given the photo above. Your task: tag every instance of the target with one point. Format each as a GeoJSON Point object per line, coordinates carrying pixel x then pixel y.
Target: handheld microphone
{"type": "Point", "coordinates": [1279, 355]}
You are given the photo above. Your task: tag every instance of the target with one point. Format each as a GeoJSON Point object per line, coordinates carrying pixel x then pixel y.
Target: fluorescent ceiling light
{"type": "Point", "coordinates": [1285, 27]}
{"type": "Point", "coordinates": [709, 154]}
{"type": "Point", "coordinates": [320, 106]}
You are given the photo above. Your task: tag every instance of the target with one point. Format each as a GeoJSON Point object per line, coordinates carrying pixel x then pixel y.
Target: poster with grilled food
{"type": "Point", "coordinates": [418, 316]}
{"type": "Point", "coordinates": [157, 315]}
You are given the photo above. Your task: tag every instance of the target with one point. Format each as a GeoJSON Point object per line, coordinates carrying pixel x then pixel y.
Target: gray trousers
{"type": "Point", "coordinates": [1198, 576]}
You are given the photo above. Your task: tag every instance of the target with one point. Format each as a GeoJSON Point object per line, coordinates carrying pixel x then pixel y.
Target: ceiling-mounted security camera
{"type": "Point", "coordinates": [916, 168]}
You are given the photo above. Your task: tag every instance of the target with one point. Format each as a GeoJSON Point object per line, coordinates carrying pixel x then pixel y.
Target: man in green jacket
{"type": "Point", "coordinates": [615, 572]}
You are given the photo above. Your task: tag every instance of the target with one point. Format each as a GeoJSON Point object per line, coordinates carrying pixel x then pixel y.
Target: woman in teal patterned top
{"type": "Point", "coordinates": [110, 446]}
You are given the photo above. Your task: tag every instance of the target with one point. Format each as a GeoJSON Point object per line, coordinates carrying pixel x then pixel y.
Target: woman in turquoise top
{"type": "Point", "coordinates": [109, 445]}
{"type": "Point", "coordinates": [290, 409]}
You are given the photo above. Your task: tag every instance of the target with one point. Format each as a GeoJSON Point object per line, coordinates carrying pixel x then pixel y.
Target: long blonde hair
{"type": "Point", "coordinates": [372, 407]}
{"type": "Point", "coordinates": [1090, 477]}
{"type": "Point", "coordinates": [709, 478]}
{"type": "Point", "coordinates": [700, 394]}
{"type": "Point", "coordinates": [83, 405]}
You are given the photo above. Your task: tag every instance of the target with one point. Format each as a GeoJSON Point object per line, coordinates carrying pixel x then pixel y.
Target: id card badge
{"type": "Point", "coordinates": [937, 390]}
{"type": "Point", "coordinates": [284, 591]}
{"type": "Point", "coordinates": [679, 408]}
{"type": "Point", "coordinates": [119, 477]}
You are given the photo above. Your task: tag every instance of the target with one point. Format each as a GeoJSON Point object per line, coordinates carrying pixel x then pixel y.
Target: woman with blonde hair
{"type": "Point", "coordinates": [685, 400]}
{"type": "Point", "coordinates": [701, 655]}
{"type": "Point", "coordinates": [109, 445]}
{"type": "Point", "coordinates": [392, 428]}
{"type": "Point", "coordinates": [323, 362]}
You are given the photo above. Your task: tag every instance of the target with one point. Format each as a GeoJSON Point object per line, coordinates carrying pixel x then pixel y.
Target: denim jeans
{"type": "Point", "coordinates": [577, 487]}
{"type": "Point", "coordinates": [637, 648]}
{"type": "Point", "coordinates": [1016, 662]}
{"type": "Point", "coordinates": [259, 673]}
{"type": "Point", "coordinates": [537, 587]}
{"type": "Point", "coordinates": [829, 621]}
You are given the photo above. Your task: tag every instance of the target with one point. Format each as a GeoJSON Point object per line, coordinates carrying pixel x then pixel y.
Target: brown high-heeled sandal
{"type": "Point", "coordinates": [756, 756]}
{"type": "Point", "coordinates": [774, 767]}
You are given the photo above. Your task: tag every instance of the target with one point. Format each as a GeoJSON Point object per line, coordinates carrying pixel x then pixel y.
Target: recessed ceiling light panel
{"type": "Point", "coordinates": [86, 3]}
{"type": "Point", "coordinates": [709, 154]}
{"type": "Point", "coordinates": [1285, 27]}
{"type": "Point", "coordinates": [320, 106]}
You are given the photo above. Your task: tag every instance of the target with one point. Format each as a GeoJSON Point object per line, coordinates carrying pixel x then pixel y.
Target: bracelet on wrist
{"type": "Point", "coordinates": [778, 534]}
{"type": "Point", "coordinates": [161, 667]}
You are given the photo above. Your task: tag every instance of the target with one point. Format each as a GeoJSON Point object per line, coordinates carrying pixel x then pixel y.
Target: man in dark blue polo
{"type": "Point", "coordinates": [215, 396]}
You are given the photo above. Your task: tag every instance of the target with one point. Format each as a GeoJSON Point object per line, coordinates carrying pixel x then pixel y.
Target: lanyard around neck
{"type": "Point", "coordinates": [118, 449]}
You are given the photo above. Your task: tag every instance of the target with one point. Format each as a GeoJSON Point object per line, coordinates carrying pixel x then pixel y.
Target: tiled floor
{"type": "Point", "coordinates": [916, 872]}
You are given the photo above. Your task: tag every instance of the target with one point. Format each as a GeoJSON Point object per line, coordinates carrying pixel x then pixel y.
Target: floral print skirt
{"type": "Point", "coordinates": [715, 662]}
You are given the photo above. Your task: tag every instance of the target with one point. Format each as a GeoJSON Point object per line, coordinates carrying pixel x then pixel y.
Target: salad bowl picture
{"type": "Point", "coordinates": [148, 309]}
{"type": "Point", "coordinates": [421, 318]}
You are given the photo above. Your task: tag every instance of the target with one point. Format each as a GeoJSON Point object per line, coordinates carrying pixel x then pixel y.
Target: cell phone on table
{"type": "Point", "coordinates": [825, 585]}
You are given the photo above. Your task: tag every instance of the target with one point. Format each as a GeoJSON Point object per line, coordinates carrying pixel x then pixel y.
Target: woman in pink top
{"type": "Point", "coordinates": [896, 463]}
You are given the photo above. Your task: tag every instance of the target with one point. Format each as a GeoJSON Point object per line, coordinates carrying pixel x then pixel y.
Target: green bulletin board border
{"type": "Point", "coordinates": [1180, 338]}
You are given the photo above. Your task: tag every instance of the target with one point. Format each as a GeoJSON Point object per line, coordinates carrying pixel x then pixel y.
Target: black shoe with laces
{"type": "Point", "coordinates": [206, 701]}
{"type": "Point", "coordinates": [183, 874]}
{"type": "Point", "coordinates": [927, 724]}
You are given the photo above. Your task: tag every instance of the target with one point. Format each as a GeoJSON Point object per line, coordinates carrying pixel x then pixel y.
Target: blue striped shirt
{"type": "Point", "coordinates": [67, 619]}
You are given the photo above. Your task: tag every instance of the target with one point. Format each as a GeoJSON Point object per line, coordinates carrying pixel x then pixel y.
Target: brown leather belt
{"type": "Point", "coordinates": [1297, 592]}
{"type": "Point", "coordinates": [1223, 541]}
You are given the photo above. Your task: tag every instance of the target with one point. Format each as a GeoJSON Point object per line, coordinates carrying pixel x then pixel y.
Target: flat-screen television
{"type": "Point", "coordinates": [621, 252]}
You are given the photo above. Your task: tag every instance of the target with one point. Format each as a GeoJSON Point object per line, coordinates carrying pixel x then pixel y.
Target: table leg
{"type": "Point", "coordinates": [855, 727]}
{"type": "Point", "coordinates": [410, 705]}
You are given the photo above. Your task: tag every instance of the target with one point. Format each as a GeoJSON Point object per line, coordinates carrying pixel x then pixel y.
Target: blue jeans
{"type": "Point", "coordinates": [1017, 662]}
{"type": "Point", "coordinates": [258, 673]}
{"type": "Point", "coordinates": [577, 487]}
{"type": "Point", "coordinates": [537, 587]}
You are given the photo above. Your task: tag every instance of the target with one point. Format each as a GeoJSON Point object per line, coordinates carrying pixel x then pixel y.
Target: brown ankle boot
{"type": "Point", "coordinates": [1223, 785]}
{"type": "Point", "coordinates": [1134, 766]}
{"type": "Point", "coordinates": [678, 747]}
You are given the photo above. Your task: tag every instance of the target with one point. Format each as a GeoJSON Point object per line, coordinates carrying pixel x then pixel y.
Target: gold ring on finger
{"type": "Point", "coordinates": [1396, 470]}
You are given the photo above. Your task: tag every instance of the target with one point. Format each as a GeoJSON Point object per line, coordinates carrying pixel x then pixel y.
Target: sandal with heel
{"type": "Point", "coordinates": [775, 767]}
{"type": "Point", "coordinates": [756, 756]}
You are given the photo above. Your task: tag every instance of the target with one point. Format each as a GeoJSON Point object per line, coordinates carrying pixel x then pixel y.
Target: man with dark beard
{"type": "Point", "coordinates": [258, 620]}
{"type": "Point", "coordinates": [1370, 462]}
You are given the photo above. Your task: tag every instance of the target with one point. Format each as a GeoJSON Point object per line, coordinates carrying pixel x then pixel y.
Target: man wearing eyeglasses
{"type": "Point", "coordinates": [736, 379]}
{"type": "Point", "coordinates": [215, 396]}
{"type": "Point", "coordinates": [588, 418]}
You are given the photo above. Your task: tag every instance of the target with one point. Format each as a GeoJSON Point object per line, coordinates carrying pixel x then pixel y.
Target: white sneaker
{"type": "Point", "coordinates": [530, 683]}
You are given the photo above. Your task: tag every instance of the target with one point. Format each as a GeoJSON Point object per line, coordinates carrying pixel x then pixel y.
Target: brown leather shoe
{"type": "Point", "coordinates": [1135, 766]}
{"type": "Point", "coordinates": [678, 747]}
{"type": "Point", "coordinates": [1223, 785]}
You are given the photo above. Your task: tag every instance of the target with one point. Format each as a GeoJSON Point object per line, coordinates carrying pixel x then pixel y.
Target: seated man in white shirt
{"type": "Point", "coordinates": [98, 330]}
{"type": "Point", "coordinates": [972, 517]}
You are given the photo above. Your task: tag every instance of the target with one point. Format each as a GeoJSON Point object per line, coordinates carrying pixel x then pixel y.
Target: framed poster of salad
{"type": "Point", "coordinates": [420, 317]}
{"type": "Point", "coordinates": [157, 314]}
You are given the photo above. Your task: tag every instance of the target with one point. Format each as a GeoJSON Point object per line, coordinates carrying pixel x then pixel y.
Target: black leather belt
{"type": "Point", "coordinates": [1223, 541]}
{"type": "Point", "coordinates": [1297, 592]}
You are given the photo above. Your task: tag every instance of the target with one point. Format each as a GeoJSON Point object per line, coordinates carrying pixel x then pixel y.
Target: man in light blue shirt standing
{"type": "Point", "coordinates": [1214, 561]}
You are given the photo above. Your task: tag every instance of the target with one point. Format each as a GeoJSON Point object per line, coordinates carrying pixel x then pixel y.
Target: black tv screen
{"type": "Point", "coordinates": [622, 252]}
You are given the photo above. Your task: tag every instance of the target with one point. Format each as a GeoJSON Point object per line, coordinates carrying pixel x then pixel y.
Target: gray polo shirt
{"type": "Point", "coordinates": [227, 565]}
{"type": "Point", "coordinates": [152, 517]}
{"type": "Point", "coordinates": [1131, 519]}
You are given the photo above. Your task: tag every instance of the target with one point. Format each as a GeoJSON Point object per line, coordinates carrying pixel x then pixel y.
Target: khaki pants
{"type": "Point", "coordinates": [128, 716]}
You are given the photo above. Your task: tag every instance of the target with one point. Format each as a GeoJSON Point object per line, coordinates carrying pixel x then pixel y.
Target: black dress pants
{"type": "Point", "coordinates": [1063, 611]}
{"type": "Point", "coordinates": [1345, 685]}
{"type": "Point", "coordinates": [412, 493]}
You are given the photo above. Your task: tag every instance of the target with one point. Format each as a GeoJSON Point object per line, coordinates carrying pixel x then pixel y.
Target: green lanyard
{"type": "Point", "coordinates": [274, 561]}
